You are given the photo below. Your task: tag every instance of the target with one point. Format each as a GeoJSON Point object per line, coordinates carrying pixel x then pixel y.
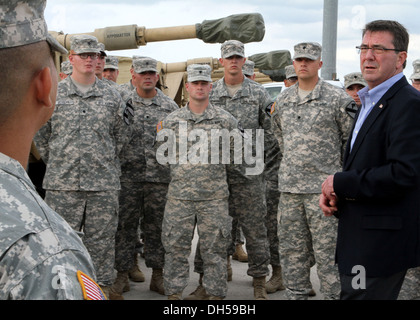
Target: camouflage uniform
{"type": "Point", "coordinates": [36, 244]}
{"type": "Point", "coordinates": [198, 194]}
{"type": "Point", "coordinates": [312, 135]}
{"type": "Point", "coordinates": [410, 287]}
{"type": "Point", "coordinates": [144, 184]}
{"type": "Point", "coordinates": [81, 144]}
{"type": "Point", "coordinates": [272, 163]}
{"type": "Point", "coordinates": [40, 254]}
{"type": "Point", "coordinates": [247, 198]}
{"type": "Point", "coordinates": [126, 90]}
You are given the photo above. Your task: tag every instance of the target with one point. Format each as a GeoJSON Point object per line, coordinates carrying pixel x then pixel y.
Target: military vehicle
{"type": "Point", "coordinates": [243, 27]}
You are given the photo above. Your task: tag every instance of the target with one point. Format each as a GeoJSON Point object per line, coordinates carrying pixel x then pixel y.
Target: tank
{"type": "Point", "coordinates": [246, 28]}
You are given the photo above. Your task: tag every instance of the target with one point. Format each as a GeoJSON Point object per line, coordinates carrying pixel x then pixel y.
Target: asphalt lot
{"type": "Point", "coordinates": [240, 288]}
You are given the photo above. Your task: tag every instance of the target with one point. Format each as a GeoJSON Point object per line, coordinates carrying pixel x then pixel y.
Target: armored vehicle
{"type": "Point", "coordinates": [243, 27]}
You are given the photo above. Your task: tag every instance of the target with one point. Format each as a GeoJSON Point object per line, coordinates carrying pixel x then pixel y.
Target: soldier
{"type": "Point", "coordinates": [81, 145]}
{"type": "Point", "coordinates": [247, 101]}
{"type": "Point", "coordinates": [40, 255]}
{"type": "Point", "coordinates": [100, 65]}
{"type": "Point", "coordinates": [310, 121]}
{"type": "Point", "coordinates": [291, 77]}
{"type": "Point", "coordinates": [353, 83]}
{"type": "Point", "coordinates": [249, 69]}
{"type": "Point", "coordinates": [66, 69]}
{"type": "Point", "coordinates": [127, 88]}
{"type": "Point", "coordinates": [415, 77]}
{"type": "Point", "coordinates": [111, 71]}
{"type": "Point", "coordinates": [144, 182]}
{"type": "Point", "coordinates": [272, 194]}
{"type": "Point", "coordinates": [198, 191]}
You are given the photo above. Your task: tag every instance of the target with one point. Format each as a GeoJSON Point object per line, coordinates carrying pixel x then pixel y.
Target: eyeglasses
{"type": "Point", "coordinates": [84, 56]}
{"type": "Point", "coordinates": [377, 50]}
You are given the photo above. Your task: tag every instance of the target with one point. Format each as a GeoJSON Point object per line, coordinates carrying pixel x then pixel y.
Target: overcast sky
{"type": "Point", "coordinates": [287, 22]}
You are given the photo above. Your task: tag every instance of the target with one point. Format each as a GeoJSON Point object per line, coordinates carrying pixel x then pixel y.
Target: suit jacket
{"type": "Point", "coordinates": [379, 189]}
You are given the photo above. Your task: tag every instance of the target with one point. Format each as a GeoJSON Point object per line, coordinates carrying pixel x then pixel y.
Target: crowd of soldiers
{"type": "Point", "coordinates": [103, 175]}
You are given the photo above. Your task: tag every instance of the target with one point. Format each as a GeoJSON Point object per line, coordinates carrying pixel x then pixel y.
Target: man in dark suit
{"type": "Point", "coordinates": [377, 196]}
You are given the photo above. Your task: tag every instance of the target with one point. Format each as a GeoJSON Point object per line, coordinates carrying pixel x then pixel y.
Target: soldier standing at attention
{"type": "Point", "coordinates": [291, 77]}
{"type": "Point", "coordinates": [144, 182]}
{"type": "Point", "coordinates": [353, 83]}
{"type": "Point", "coordinates": [271, 184]}
{"type": "Point", "coordinates": [100, 66]}
{"type": "Point", "coordinates": [111, 70]}
{"type": "Point", "coordinates": [312, 126]}
{"type": "Point", "coordinates": [81, 145]}
{"type": "Point", "coordinates": [247, 101]}
{"type": "Point", "coordinates": [66, 69]}
{"type": "Point", "coordinates": [41, 256]}
{"type": "Point", "coordinates": [198, 192]}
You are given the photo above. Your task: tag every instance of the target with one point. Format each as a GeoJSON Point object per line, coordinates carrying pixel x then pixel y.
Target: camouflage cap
{"type": "Point", "coordinates": [290, 72]}
{"type": "Point", "coordinates": [84, 44]}
{"type": "Point", "coordinates": [416, 74]}
{"type": "Point", "coordinates": [233, 48]}
{"type": "Point", "coordinates": [102, 49]}
{"type": "Point", "coordinates": [354, 78]}
{"type": "Point", "coordinates": [309, 50]}
{"type": "Point", "coordinates": [199, 72]}
{"type": "Point", "coordinates": [248, 68]}
{"type": "Point", "coordinates": [66, 67]}
{"type": "Point", "coordinates": [144, 64]}
{"type": "Point", "coordinates": [111, 63]}
{"type": "Point", "coordinates": [22, 22]}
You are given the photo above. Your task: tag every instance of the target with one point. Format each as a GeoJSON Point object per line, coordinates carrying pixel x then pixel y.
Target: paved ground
{"type": "Point", "coordinates": [240, 288]}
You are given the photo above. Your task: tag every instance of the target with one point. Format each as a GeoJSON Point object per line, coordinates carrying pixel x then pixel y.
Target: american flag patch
{"type": "Point", "coordinates": [91, 291]}
{"type": "Point", "coordinates": [273, 108]}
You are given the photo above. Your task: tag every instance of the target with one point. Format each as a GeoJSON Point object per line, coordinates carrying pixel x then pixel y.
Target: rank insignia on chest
{"type": "Point", "coordinates": [90, 289]}
{"type": "Point", "coordinates": [159, 126]}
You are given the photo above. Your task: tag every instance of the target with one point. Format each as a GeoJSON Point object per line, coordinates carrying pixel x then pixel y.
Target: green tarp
{"type": "Point", "coordinates": [273, 63]}
{"type": "Point", "coordinates": [243, 27]}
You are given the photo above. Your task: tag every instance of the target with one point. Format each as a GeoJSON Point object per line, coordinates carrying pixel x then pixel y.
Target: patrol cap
{"type": "Point", "coordinates": [309, 50]}
{"type": "Point", "coordinates": [22, 22]}
{"type": "Point", "coordinates": [144, 64]}
{"type": "Point", "coordinates": [111, 63]}
{"type": "Point", "coordinates": [102, 49]}
{"type": "Point", "coordinates": [354, 78]}
{"type": "Point", "coordinates": [84, 44]}
{"type": "Point", "coordinates": [290, 72]}
{"type": "Point", "coordinates": [199, 72]}
{"type": "Point", "coordinates": [233, 48]}
{"type": "Point", "coordinates": [66, 67]}
{"type": "Point", "coordinates": [248, 68]}
{"type": "Point", "coordinates": [416, 66]}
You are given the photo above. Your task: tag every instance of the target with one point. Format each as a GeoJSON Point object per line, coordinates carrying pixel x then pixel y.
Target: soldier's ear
{"type": "Point", "coordinates": [43, 85]}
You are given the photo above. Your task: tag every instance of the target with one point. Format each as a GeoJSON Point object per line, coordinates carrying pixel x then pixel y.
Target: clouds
{"type": "Point", "coordinates": [287, 23]}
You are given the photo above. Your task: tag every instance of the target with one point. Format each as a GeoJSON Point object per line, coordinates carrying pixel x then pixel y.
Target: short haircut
{"type": "Point", "coordinates": [18, 65]}
{"type": "Point", "coordinates": [399, 32]}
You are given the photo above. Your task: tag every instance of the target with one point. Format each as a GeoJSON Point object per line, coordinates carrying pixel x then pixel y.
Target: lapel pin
{"type": "Point", "coordinates": [381, 106]}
